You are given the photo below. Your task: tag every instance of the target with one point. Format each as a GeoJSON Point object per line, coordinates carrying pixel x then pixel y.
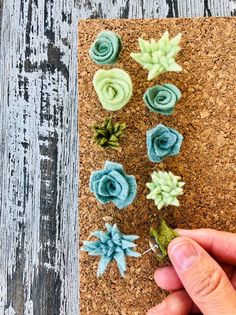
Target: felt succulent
{"type": "Point", "coordinates": [165, 188]}
{"type": "Point", "coordinates": [111, 245]}
{"type": "Point", "coordinates": [160, 238]}
{"type": "Point", "coordinates": [108, 134]}
{"type": "Point", "coordinates": [162, 98]}
{"type": "Point", "coordinates": [106, 48]}
{"type": "Point", "coordinates": [163, 141]}
{"type": "Point", "coordinates": [158, 56]}
{"type": "Point", "coordinates": [112, 184]}
{"type": "Point", "coordinates": [113, 87]}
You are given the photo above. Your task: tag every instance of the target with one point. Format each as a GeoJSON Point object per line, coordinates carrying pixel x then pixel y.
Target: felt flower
{"type": "Point", "coordinates": [160, 238]}
{"type": "Point", "coordinates": [113, 87]}
{"type": "Point", "coordinates": [165, 188]}
{"type": "Point", "coordinates": [111, 245]}
{"type": "Point", "coordinates": [162, 98]}
{"type": "Point", "coordinates": [158, 57]}
{"type": "Point", "coordinates": [112, 184]}
{"type": "Point", "coordinates": [106, 48]}
{"type": "Point", "coordinates": [163, 141]}
{"type": "Point", "coordinates": [108, 134]}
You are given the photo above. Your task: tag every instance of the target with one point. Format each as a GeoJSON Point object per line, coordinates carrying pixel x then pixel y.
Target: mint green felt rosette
{"type": "Point", "coordinates": [158, 56]}
{"type": "Point", "coordinates": [106, 48]}
{"type": "Point", "coordinates": [113, 87]}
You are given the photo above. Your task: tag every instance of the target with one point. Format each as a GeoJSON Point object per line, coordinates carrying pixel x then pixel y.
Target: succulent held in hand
{"type": "Point", "coordinates": [111, 245]}
{"type": "Point", "coordinates": [165, 188]}
{"type": "Point", "coordinates": [163, 141]}
{"type": "Point", "coordinates": [106, 48]}
{"type": "Point", "coordinates": [112, 184]}
{"type": "Point", "coordinates": [162, 98]}
{"type": "Point", "coordinates": [158, 57]}
{"type": "Point", "coordinates": [108, 134]}
{"type": "Point", "coordinates": [160, 238]}
{"type": "Point", "coordinates": [113, 87]}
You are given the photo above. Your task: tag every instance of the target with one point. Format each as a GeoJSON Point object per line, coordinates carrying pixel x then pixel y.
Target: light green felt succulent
{"type": "Point", "coordinates": [158, 56]}
{"type": "Point", "coordinates": [165, 188]}
{"type": "Point", "coordinates": [113, 87]}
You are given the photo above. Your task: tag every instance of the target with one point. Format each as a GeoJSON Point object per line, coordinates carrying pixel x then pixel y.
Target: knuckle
{"type": "Point", "coordinates": [208, 283]}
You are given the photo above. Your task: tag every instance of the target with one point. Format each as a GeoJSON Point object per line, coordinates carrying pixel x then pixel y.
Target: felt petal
{"type": "Point", "coordinates": [121, 263]}
{"type": "Point", "coordinates": [102, 266]}
{"type": "Point", "coordinates": [131, 253]}
{"type": "Point", "coordinates": [130, 237]}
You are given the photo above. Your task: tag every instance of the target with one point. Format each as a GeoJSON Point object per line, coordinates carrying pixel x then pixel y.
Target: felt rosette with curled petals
{"type": "Point", "coordinates": [106, 48]}
{"type": "Point", "coordinates": [112, 184]}
{"type": "Point", "coordinates": [163, 141]}
{"type": "Point", "coordinates": [113, 87]}
{"type": "Point", "coordinates": [162, 98]}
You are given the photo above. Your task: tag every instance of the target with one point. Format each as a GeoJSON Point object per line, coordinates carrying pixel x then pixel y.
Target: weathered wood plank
{"type": "Point", "coordinates": [38, 254]}
{"type": "Point", "coordinates": [38, 138]}
{"type": "Point", "coordinates": [155, 8]}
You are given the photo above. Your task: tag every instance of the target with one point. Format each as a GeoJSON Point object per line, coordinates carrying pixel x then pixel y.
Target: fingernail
{"type": "Point", "coordinates": [183, 255]}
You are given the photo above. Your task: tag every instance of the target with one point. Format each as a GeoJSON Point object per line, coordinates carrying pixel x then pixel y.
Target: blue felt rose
{"type": "Point", "coordinates": [106, 48]}
{"type": "Point", "coordinates": [112, 185]}
{"type": "Point", "coordinates": [162, 98]}
{"type": "Point", "coordinates": [163, 141]}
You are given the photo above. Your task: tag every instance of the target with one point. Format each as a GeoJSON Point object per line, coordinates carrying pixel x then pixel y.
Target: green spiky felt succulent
{"type": "Point", "coordinates": [158, 56]}
{"type": "Point", "coordinates": [108, 134]}
{"type": "Point", "coordinates": [165, 188]}
{"type": "Point", "coordinates": [160, 238]}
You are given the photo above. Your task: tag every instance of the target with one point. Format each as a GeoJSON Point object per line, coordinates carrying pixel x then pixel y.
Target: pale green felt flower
{"type": "Point", "coordinates": [113, 87]}
{"type": "Point", "coordinates": [165, 188]}
{"type": "Point", "coordinates": [158, 56]}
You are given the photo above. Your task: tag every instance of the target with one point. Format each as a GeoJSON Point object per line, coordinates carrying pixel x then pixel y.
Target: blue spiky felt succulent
{"type": "Point", "coordinates": [111, 245]}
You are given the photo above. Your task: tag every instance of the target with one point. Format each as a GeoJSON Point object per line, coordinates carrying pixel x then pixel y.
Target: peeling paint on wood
{"type": "Point", "coordinates": [38, 138]}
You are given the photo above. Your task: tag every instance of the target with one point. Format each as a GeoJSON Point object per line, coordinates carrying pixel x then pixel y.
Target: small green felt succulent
{"type": "Point", "coordinates": [108, 134]}
{"type": "Point", "coordinates": [158, 56]}
{"type": "Point", "coordinates": [160, 238]}
{"type": "Point", "coordinates": [165, 188]}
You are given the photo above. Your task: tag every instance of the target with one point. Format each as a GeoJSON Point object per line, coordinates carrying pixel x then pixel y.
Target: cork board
{"type": "Point", "coordinates": [205, 115]}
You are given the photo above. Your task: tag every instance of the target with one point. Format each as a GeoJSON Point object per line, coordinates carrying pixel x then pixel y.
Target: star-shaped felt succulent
{"type": "Point", "coordinates": [111, 245]}
{"type": "Point", "coordinates": [158, 56]}
{"type": "Point", "coordinates": [165, 188]}
{"type": "Point", "coordinates": [108, 134]}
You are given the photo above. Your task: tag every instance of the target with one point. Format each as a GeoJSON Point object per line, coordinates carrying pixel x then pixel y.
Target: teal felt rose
{"type": "Point", "coordinates": [106, 48]}
{"type": "Point", "coordinates": [163, 141]}
{"type": "Point", "coordinates": [113, 87]}
{"type": "Point", "coordinates": [162, 98]}
{"type": "Point", "coordinates": [112, 184]}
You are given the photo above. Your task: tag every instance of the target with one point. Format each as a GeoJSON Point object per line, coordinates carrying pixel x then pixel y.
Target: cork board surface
{"type": "Point", "coordinates": [205, 115]}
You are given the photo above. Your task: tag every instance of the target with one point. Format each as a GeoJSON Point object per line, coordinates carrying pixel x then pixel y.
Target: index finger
{"type": "Point", "coordinates": [221, 245]}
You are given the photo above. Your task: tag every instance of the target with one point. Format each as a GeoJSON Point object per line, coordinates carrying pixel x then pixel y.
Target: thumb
{"type": "Point", "coordinates": [203, 279]}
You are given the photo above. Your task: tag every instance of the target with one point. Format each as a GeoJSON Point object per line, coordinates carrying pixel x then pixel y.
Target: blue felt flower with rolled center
{"type": "Point", "coordinates": [112, 184]}
{"type": "Point", "coordinates": [163, 141]}
{"type": "Point", "coordinates": [111, 245]}
{"type": "Point", "coordinates": [106, 48]}
{"type": "Point", "coordinates": [162, 98]}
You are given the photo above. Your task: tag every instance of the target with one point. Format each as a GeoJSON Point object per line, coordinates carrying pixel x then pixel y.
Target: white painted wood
{"type": "Point", "coordinates": [38, 143]}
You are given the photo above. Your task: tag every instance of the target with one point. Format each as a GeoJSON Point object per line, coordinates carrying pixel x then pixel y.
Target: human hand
{"type": "Point", "coordinates": [203, 276]}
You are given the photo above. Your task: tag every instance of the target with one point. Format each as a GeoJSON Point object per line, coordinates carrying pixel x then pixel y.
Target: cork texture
{"type": "Point", "coordinates": [205, 116]}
